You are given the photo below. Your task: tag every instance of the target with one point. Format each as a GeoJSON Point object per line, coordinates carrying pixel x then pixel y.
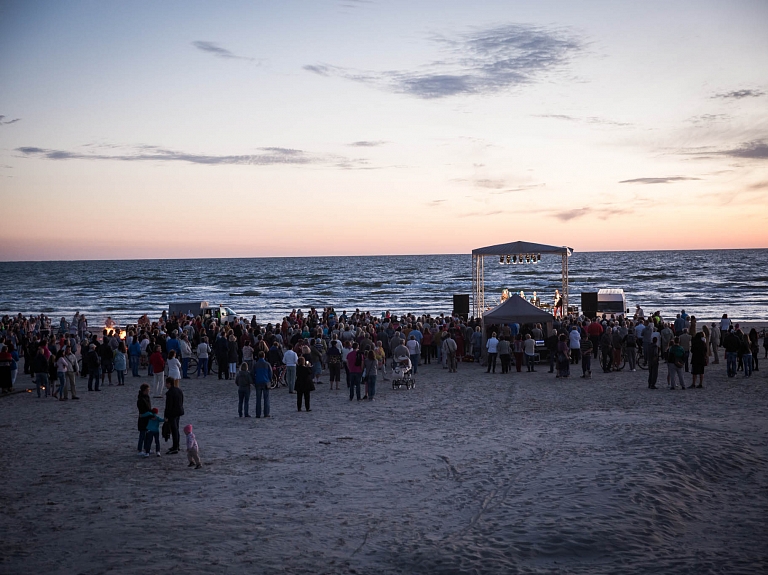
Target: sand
{"type": "Point", "coordinates": [467, 473]}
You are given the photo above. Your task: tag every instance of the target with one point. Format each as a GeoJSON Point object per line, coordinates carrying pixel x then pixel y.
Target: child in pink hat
{"type": "Point", "coordinates": [193, 451]}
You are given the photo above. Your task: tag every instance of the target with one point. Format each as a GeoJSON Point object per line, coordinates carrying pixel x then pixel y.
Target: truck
{"type": "Point", "coordinates": [202, 308]}
{"type": "Point", "coordinates": [611, 301]}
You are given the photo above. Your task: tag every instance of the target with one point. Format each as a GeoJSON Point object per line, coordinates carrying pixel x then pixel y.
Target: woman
{"type": "Point", "coordinates": [120, 362]}
{"type": "Point", "coordinates": [144, 404]}
{"type": "Point", "coordinates": [232, 354]}
{"type": "Point", "coordinates": [53, 374]}
{"type": "Point", "coordinates": [426, 346]}
{"type": "Point", "coordinates": [698, 359]}
{"type": "Point", "coordinates": [304, 383]}
{"type": "Point", "coordinates": [753, 339]}
{"type": "Point", "coordinates": [518, 351]}
{"type": "Point", "coordinates": [174, 367]}
{"type": "Point", "coordinates": [370, 372]}
{"type": "Point", "coordinates": [381, 358]}
{"type": "Point", "coordinates": [563, 357]}
{"type": "Point", "coordinates": [316, 359]}
{"type": "Point", "coordinates": [203, 349]}
{"type": "Point", "coordinates": [243, 380]}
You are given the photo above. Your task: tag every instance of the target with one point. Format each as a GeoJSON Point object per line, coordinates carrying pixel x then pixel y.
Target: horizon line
{"type": "Point", "coordinates": [358, 256]}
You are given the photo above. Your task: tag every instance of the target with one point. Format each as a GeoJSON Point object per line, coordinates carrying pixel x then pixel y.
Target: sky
{"type": "Point", "coordinates": [185, 129]}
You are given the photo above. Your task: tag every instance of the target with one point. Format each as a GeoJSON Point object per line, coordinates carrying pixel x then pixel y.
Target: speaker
{"type": "Point", "coordinates": [589, 303]}
{"type": "Point", "coordinates": [461, 305]}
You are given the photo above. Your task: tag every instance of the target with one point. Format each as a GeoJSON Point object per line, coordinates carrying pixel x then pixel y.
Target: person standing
{"type": "Point", "coordinates": [174, 367]}
{"type": "Point", "coordinates": [586, 358]}
{"type": "Point", "coordinates": [304, 383]}
{"type": "Point", "coordinates": [450, 349]}
{"type": "Point", "coordinates": [551, 343]}
{"type": "Point", "coordinates": [193, 449]}
{"type": "Point", "coordinates": [492, 345]}
{"type": "Point", "coordinates": [157, 363]}
{"type": "Point", "coordinates": [243, 380]}
{"type": "Point", "coordinates": [714, 342]}
{"type": "Point", "coordinates": [119, 361]}
{"type": "Point", "coordinates": [93, 363]}
{"type": "Point", "coordinates": [203, 349]}
{"type": "Point", "coordinates": [503, 350]}
{"type": "Point", "coordinates": [334, 362]}
{"type": "Point", "coordinates": [732, 343]}
{"type": "Point", "coordinates": [291, 360]}
{"type": "Point", "coordinates": [174, 409]}
{"type": "Point", "coordinates": [574, 343]}
{"type": "Point", "coordinates": [134, 356]}
{"type": "Point", "coordinates": [746, 354]}
{"type": "Point", "coordinates": [698, 359]}
{"type": "Point", "coordinates": [414, 349]}
{"type": "Point", "coordinates": [355, 366]}
{"type": "Point", "coordinates": [262, 377]}
{"type": "Point", "coordinates": [144, 405]}
{"type": "Point", "coordinates": [563, 357]}
{"type": "Point", "coordinates": [652, 357]}
{"type": "Point", "coordinates": [685, 343]}
{"type": "Point", "coordinates": [370, 369]}
{"type": "Point", "coordinates": [675, 364]}
{"type": "Point", "coordinates": [529, 349]}
{"type": "Point", "coordinates": [186, 355]}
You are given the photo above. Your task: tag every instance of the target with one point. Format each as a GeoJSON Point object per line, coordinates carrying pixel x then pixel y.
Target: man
{"type": "Point", "coordinates": [71, 373]}
{"type": "Point", "coordinates": [652, 355]}
{"type": "Point", "coordinates": [414, 350]}
{"type": "Point", "coordinates": [40, 369]}
{"type": "Point", "coordinates": [186, 354]}
{"type": "Point", "coordinates": [594, 331]}
{"type": "Point", "coordinates": [731, 343]}
{"type": "Point", "coordinates": [477, 341]}
{"type": "Point", "coordinates": [262, 377]}
{"type": "Point", "coordinates": [157, 363]}
{"type": "Point", "coordinates": [551, 344]}
{"type": "Point", "coordinates": [685, 343]}
{"type": "Point", "coordinates": [492, 345]}
{"type": "Point", "coordinates": [93, 364]}
{"type": "Point", "coordinates": [679, 324]}
{"type": "Point", "coordinates": [291, 359]}
{"type": "Point", "coordinates": [220, 348]}
{"type": "Point", "coordinates": [536, 332]}
{"type": "Point", "coordinates": [449, 346]}
{"type": "Point", "coordinates": [574, 342]}
{"type": "Point", "coordinates": [174, 409]}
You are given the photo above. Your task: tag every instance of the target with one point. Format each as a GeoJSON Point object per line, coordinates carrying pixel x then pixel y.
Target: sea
{"type": "Point", "coordinates": [706, 283]}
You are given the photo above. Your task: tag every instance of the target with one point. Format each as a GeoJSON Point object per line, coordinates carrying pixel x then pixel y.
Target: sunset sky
{"type": "Point", "coordinates": [232, 129]}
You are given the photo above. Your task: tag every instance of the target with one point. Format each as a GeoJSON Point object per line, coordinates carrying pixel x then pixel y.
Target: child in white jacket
{"type": "Point", "coordinates": [193, 451]}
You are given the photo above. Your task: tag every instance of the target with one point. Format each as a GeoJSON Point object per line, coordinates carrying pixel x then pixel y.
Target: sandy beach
{"type": "Point", "coordinates": [466, 473]}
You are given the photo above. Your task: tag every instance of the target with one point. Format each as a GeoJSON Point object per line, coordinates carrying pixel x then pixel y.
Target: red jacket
{"type": "Point", "coordinates": [157, 362]}
{"type": "Point", "coordinates": [595, 329]}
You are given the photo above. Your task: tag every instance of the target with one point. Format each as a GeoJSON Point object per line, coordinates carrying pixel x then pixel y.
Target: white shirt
{"type": "Point", "coordinates": [202, 350]}
{"type": "Point", "coordinates": [491, 345]}
{"type": "Point", "coordinates": [575, 339]}
{"type": "Point", "coordinates": [174, 368]}
{"type": "Point", "coordinates": [413, 347]}
{"type": "Point", "coordinates": [290, 358]}
{"type": "Point", "coordinates": [529, 347]}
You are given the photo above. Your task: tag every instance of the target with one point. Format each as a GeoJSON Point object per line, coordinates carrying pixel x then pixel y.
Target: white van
{"type": "Point", "coordinates": [611, 301]}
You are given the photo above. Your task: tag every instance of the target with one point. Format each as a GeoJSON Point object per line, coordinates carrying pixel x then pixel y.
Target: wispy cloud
{"type": "Point", "coordinates": [525, 188]}
{"type": "Point", "coordinates": [268, 156]}
{"type": "Point", "coordinates": [215, 49]}
{"type": "Point", "coordinates": [436, 203]}
{"type": "Point", "coordinates": [667, 180]}
{"type": "Point", "coordinates": [584, 120]}
{"type": "Point", "coordinates": [490, 183]}
{"type": "Point", "coordinates": [368, 144]}
{"type": "Point", "coordinates": [739, 94]}
{"type": "Point", "coordinates": [709, 118]}
{"type": "Point", "coordinates": [4, 122]}
{"type": "Point", "coordinates": [478, 62]}
{"type": "Point", "coordinates": [600, 213]}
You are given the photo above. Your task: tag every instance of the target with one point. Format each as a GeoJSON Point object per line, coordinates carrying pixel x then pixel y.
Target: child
{"type": "Point", "coordinates": [153, 431]}
{"type": "Point", "coordinates": [193, 451]}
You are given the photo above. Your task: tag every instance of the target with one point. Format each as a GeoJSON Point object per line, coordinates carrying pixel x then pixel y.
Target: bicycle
{"type": "Point", "coordinates": [278, 377]}
{"type": "Point", "coordinates": [640, 359]}
{"type": "Point", "coordinates": [607, 363]}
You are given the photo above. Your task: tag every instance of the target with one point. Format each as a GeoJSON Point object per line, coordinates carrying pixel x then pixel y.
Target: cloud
{"type": "Point", "coordinates": [478, 62]}
{"type": "Point", "coordinates": [585, 120]}
{"type": "Point", "coordinates": [218, 51]}
{"type": "Point", "coordinates": [755, 150]}
{"type": "Point", "coordinates": [709, 118]}
{"type": "Point", "coordinates": [436, 203]}
{"type": "Point", "coordinates": [269, 156]}
{"type": "Point", "coordinates": [490, 183]}
{"type": "Point", "coordinates": [368, 144]}
{"type": "Point", "coordinates": [739, 94]}
{"type": "Point", "coordinates": [568, 215]}
{"type": "Point", "coordinates": [4, 122]}
{"type": "Point", "coordinates": [519, 189]}
{"type": "Point", "coordinates": [318, 69]}
{"type": "Point", "coordinates": [667, 180]}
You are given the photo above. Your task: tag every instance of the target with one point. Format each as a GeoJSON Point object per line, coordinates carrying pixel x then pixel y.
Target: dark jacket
{"type": "Point", "coordinates": [304, 379]}
{"type": "Point", "coordinates": [144, 404]}
{"type": "Point", "coordinates": [731, 342]}
{"type": "Point", "coordinates": [92, 360]}
{"type": "Point", "coordinates": [220, 347]}
{"type": "Point", "coordinates": [174, 403]}
{"type": "Point", "coordinates": [40, 364]}
{"type": "Point", "coordinates": [232, 351]}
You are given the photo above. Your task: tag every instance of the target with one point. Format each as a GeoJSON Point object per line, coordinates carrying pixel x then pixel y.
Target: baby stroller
{"type": "Point", "coordinates": [402, 373]}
